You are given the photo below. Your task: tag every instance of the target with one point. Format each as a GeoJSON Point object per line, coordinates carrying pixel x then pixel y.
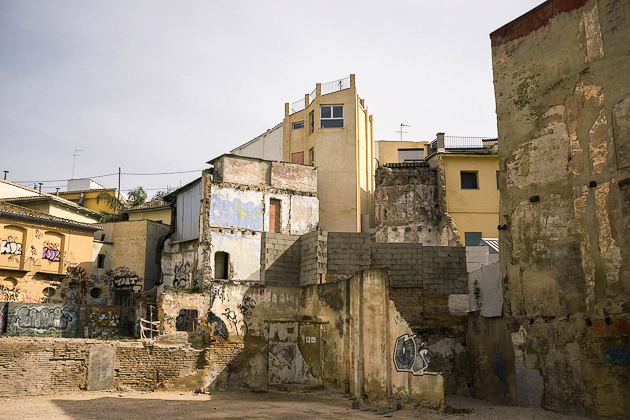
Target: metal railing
{"type": "Point", "coordinates": [327, 88]}
{"type": "Point", "coordinates": [335, 86]}
{"type": "Point", "coordinates": [150, 326]}
{"type": "Point", "coordinates": [464, 143]}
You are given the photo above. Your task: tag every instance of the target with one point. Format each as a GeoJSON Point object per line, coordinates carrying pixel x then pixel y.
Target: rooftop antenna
{"type": "Point", "coordinates": [74, 159]}
{"type": "Point", "coordinates": [5, 175]}
{"type": "Point", "coordinates": [401, 129]}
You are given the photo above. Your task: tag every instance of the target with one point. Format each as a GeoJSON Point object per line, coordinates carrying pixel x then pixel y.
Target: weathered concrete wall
{"type": "Point", "coordinates": [562, 96]}
{"type": "Point", "coordinates": [408, 204]}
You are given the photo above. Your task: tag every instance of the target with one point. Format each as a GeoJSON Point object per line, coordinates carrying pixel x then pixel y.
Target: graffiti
{"type": "Point", "coordinates": [483, 358]}
{"type": "Point", "coordinates": [9, 294]}
{"type": "Point", "coordinates": [185, 321]}
{"type": "Point", "coordinates": [38, 234]}
{"type": "Point", "coordinates": [32, 298]}
{"type": "Point", "coordinates": [236, 212]}
{"type": "Point", "coordinates": [125, 279]}
{"type": "Point", "coordinates": [247, 304]}
{"type": "Point", "coordinates": [51, 252]}
{"type": "Point", "coordinates": [398, 319]}
{"type": "Point", "coordinates": [616, 357]}
{"type": "Point", "coordinates": [76, 273]}
{"type": "Point", "coordinates": [218, 326]}
{"type": "Point", "coordinates": [71, 297]}
{"type": "Point", "coordinates": [33, 250]}
{"type": "Point", "coordinates": [182, 275]}
{"type": "Point", "coordinates": [215, 290]}
{"type": "Point", "coordinates": [105, 319]}
{"type": "Point", "coordinates": [499, 365]}
{"type": "Point", "coordinates": [411, 355]}
{"type": "Point", "coordinates": [3, 316]}
{"type": "Point", "coordinates": [42, 320]}
{"type": "Point", "coordinates": [11, 246]}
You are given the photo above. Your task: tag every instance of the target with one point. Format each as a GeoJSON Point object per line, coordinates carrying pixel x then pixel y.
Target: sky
{"type": "Point", "coordinates": [161, 87]}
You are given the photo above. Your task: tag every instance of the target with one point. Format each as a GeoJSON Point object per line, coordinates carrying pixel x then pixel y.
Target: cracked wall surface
{"type": "Point", "coordinates": [563, 108]}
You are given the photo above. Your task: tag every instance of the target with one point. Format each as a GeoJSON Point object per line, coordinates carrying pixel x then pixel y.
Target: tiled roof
{"type": "Point", "coordinates": [7, 209]}
{"type": "Point", "coordinates": [85, 191]}
{"type": "Point", "coordinates": [48, 197]}
{"type": "Point", "coordinates": [417, 163]}
{"type": "Point", "coordinates": [156, 203]}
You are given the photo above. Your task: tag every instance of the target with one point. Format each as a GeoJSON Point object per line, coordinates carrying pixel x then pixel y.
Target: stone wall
{"type": "Point", "coordinates": [563, 108]}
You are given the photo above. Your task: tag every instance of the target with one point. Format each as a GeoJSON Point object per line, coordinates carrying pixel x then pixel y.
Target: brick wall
{"type": "Point", "coordinates": [44, 365]}
{"type": "Point", "coordinates": [444, 270]}
{"type": "Point", "coordinates": [348, 253]}
{"type": "Point", "coordinates": [313, 257]}
{"type": "Point", "coordinates": [403, 259]}
{"type": "Point", "coordinates": [280, 260]}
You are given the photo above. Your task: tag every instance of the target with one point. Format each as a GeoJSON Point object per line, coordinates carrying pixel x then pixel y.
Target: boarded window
{"type": "Point", "coordinates": [274, 216]}
{"type": "Point", "coordinates": [297, 158]}
{"type": "Point", "coordinates": [410, 155]}
{"type": "Point", "coordinates": [221, 265]}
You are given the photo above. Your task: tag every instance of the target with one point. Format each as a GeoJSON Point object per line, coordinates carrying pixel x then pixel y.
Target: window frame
{"type": "Point", "coordinates": [332, 117]}
{"type": "Point", "coordinates": [311, 121]}
{"type": "Point", "coordinates": [297, 125]}
{"type": "Point", "coordinates": [461, 180]}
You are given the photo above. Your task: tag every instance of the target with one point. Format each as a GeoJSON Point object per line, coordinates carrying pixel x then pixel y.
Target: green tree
{"type": "Point", "coordinates": [136, 196]}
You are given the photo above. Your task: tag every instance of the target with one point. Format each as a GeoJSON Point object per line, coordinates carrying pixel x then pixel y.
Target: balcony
{"type": "Point", "coordinates": [456, 144]}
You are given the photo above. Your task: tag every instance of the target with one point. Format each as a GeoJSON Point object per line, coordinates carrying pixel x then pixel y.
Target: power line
{"type": "Point", "coordinates": [116, 173]}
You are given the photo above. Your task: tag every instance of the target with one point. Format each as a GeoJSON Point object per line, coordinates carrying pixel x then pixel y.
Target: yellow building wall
{"type": "Point", "coordinates": [36, 257]}
{"type": "Point", "coordinates": [90, 199]}
{"type": "Point", "coordinates": [158, 215]}
{"type": "Point", "coordinates": [130, 249]}
{"type": "Point", "coordinates": [344, 158]}
{"type": "Point", "coordinates": [388, 150]}
{"type": "Point", "coordinates": [472, 210]}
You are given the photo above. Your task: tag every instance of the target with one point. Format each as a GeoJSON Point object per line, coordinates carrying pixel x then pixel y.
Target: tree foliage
{"type": "Point", "coordinates": [136, 196]}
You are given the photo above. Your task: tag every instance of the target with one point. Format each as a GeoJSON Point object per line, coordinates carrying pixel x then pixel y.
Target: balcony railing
{"type": "Point", "coordinates": [464, 143]}
{"type": "Point", "coordinates": [327, 88]}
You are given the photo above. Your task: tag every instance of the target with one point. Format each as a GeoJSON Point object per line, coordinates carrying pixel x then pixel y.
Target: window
{"type": "Point", "coordinates": [469, 180]}
{"type": "Point", "coordinates": [96, 293]}
{"type": "Point", "coordinates": [410, 155]}
{"type": "Point", "coordinates": [311, 155]}
{"type": "Point", "coordinates": [331, 116]}
{"type": "Point", "coordinates": [297, 125]}
{"type": "Point", "coordinates": [498, 177]}
{"type": "Point", "coordinates": [472, 238]}
{"type": "Point", "coordinates": [100, 262]}
{"type": "Point", "coordinates": [274, 215]}
{"type": "Point", "coordinates": [311, 121]}
{"type": "Point", "coordinates": [297, 158]}
{"type": "Point", "coordinates": [221, 265]}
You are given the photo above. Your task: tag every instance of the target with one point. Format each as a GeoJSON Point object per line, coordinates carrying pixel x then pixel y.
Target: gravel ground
{"type": "Point", "coordinates": [108, 405]}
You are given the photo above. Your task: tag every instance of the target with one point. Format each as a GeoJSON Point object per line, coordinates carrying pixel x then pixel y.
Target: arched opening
{"type": "Point", "coordinates": [221, 265]}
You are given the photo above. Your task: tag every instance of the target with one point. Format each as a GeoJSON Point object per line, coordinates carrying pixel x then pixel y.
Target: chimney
{"type": "Point", "coordinates": [40, 188]}
{"type": "Point", "coordinates": [440, 143]}
{"type": "Point", "coordinates": [57, 193]}
{"type": "Point", "coordinates": [81, 199]}
{"type": "Point", "coordinates": [5, 175]}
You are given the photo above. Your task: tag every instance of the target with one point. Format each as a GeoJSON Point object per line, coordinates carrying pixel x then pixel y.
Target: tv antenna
{"type": "Point", "coordinates": [74, 159]}
{"type": "Point", "coordinates": [401, 129]}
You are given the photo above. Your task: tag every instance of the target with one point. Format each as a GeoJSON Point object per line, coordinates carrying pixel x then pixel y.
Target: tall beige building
{"type": "Point", "coordinates": [329, 128]}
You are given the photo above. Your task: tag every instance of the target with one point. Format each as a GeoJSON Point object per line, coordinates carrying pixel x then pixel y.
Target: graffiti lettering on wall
{"type": "Point", "coordinates": [50, 251]}
{"type": "Point", "coordinates": [244, 308]}
{"type": "Point", "coordinates": [247, 304]}
{"type": "Point", "coordinates": [185, 321]}
{"type": "Point", "coordinates": [499, 365]}
{"type": "Point", "coordinates": [71, 296]}
{"type": "Point", "coordinates": [11, 246]}
{"type": "Point", "coordinates": [105, 319]}
{"type": "Point", "coordinates": [411, 355]}
{"type": "Point", "coordinates": [616, 357]}
{"type": "Point", "coordinates": [218, 326]}
{"type": "Point", "coordinates": [42, 320]}
{"type": "Point", "coordinates": [183, 275]}
{"type": "Point", "coordinates": [76, 273]}
{"type": "Point", "coordinates": [10, 294]}
{"type": "Point", "coordinates": [38, 234]}
{"type": "Point", "coordinates": [125, 279]}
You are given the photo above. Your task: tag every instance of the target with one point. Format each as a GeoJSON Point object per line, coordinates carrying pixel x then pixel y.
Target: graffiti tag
{"type": "Point", "coordinates": [182, 275]}
{"type": "Point", "coordinates": [51, 252]}
{"type": "Point", "coordinates": [43, 320]}
{"type": "Point", "coordinates": [499, 365]}
{"type": "Point", "coordinates": [11, 246]}
{"type": "Point", "coordinates": [411, 355]}
{"type": "Point", "coordinates": [616, 357]}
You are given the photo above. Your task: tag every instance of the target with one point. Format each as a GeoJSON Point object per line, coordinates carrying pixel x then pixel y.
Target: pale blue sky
{"type": "Point", "coordinates": [164, 86]}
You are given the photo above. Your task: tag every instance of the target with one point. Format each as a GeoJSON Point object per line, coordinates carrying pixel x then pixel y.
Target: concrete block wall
{"type": "Point", "coordinates": [444, 270]}
{"type": "Point", "coordinates": [476, 256]}
{"type": "Point", "coordinates": [403, 259]}
{"type": "Point", "coordinates": [280, 260]}
{"type": "Point", "coordinates": [348, 253]}
{"type": "Point", "coordinates": [313, 257]}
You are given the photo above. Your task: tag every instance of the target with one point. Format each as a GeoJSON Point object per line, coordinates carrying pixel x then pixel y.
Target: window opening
{"type": "Point", "coordinates": [311, 121]}
{"type": "Point", "coordinates": [274, 215]}
{"type": "Point", "coordinates": [469, 180]}
{"type": "Point", "coordinates": [96, 292]}
{"type": "Point", "coordinates": [311, 155]}
{"type": "Point", "coordinates": [100, 262]}
{"type": "Point", "coordinates": [498, 177]}
{"type": "Point", "coordinates": [298, 124]}
{"type": "Point", "coordinates": [472, 238]}
{"type": "Point", "coordinates": [331, 116]}
{"type": "Point", "coordinates": [122, 298]}
{"type": "Point", "coordinates": [221, 265]}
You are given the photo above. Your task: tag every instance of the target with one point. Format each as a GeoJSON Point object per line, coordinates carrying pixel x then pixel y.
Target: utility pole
{"type": "Point", "coordinates": [119, 182]}
{"type": "Point", "coordinates": [74, 159]}
{"type": "Point", "coordinates": [401, 129]}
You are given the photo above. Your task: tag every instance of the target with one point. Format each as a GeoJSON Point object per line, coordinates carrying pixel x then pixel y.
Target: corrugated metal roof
{"type": "Point", "coordinates": [8, 209]}
{"type": "Point", "coordinates": [492, 243]}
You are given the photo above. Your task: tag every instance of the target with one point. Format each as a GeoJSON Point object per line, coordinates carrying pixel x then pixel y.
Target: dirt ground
{"type": "Point", "coordinates": [239, 405]}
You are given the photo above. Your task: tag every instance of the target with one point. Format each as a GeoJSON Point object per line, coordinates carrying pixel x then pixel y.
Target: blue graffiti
{"type": "Point", "coordinates": [499, 365]}
{"type": "Point", "coordinates": [616, 357]}
{"type": "Point", "coordinates": [236, 213]}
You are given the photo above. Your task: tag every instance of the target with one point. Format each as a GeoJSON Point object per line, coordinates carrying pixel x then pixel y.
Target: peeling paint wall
{"type": "Point", "coordinates": [563, 106]}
